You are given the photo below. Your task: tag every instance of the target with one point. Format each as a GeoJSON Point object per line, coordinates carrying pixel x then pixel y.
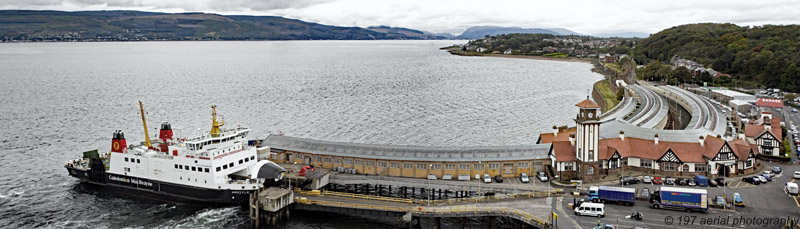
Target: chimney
{"type": "Point", "coordinates": [655, 139]}
{"type": "Point", "coordinates": [622, 135]}
{"type": "Point", "coordinates": [702, 141]}
{"type": "Point", "coordinates": [555, 131]}
{"type": "Point", "coordinates": [572, 139]}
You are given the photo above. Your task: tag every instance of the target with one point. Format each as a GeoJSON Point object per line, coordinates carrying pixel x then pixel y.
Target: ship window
{"type": "Point", "coordinates": [186, 167]}
{"type": "Point", "coordinates": [224, 166]}
{"type": "Point", "coordinates": [138, 161]}
{"type": "Point", "coordinates": [246, 159]}
{"type": "Point", "coordinates": [241, 161]}
{"type": "Point", "coordinates": [176, 166]}
{"type": "Point", "coordinates": [218, 169]}
{"type": "Point", "coordinates": [205, 170]}
{"type": "Point", "coordinates": [126, 159]}
{"type": "Point", "coordinates": [231, 164]}
{"type": "Point", "coordinates": [194, 168]}
{"type": "Point", "coordinates": [254, 157]}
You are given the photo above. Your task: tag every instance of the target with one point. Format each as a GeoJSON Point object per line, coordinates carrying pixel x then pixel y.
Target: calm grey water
{"type": "Point", "coordinates": [60, 99]}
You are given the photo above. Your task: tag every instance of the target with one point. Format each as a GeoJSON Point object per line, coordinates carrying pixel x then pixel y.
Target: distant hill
{"type": "Point", "coordinates": [404, 32]}
{"type": "Point", "coordinates": [477, 32]}
{"type": "Point", "coordinates": [623, 35]}
{"type": "Point", "coordinates": [138, 25]}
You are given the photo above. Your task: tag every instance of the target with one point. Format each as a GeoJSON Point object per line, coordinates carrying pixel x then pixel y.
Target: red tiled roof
{"type": "Point", "coordinates": [753, 131]}
{"type": "Point", "coordinates": [765, 102]}
{"type": "Point", "coordinates": [685, 151]}
{"type": "Point", "coordinates": [563, 135]}
{"type": "Point", "coordinates": [564, 151]}
{"type": "Point", "coordinates": [587, 104]}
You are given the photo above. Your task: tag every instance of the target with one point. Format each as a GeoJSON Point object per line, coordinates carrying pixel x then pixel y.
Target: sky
{"type": "Point", "coordinates": [592, 17]}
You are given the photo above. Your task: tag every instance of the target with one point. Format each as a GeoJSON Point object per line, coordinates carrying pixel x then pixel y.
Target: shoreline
{"type": "Point", "coordinates": [569, 59]}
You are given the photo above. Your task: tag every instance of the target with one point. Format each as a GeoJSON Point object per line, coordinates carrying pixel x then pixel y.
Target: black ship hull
{"type": "Point", "coordinates": [162, 191]}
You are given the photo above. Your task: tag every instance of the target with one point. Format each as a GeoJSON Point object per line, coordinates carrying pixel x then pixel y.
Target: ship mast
{"type": "Point", "coordinates": [215, 131]}
{"type": "Point", "coordinates": [146, 136]}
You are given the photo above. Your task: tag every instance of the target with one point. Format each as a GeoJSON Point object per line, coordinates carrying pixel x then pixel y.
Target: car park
{"type": "Point", "coordinates": [656, 180]}
{"type": "Point", "coordinates": [542, 176]}
{"type": "Point", "coordinates": [647, 179]}
{"type": "Point", "coordinates": [487, 178]}
{"type": "Point", "coordinates": [590, 209]}
{"type": "Point", "coordinates": [524, 178]}
{"type": "Point", "coordinates": [737, 200]}
{"type": "Point", "coordinates": [498, 178]}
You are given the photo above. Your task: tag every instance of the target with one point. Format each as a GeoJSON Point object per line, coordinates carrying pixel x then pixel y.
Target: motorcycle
{"type": "Point", "coordinates": [636, 216]}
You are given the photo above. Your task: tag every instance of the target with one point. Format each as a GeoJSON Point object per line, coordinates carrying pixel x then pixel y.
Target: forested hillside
{"type": "Point", "coordinates": [763, 55]}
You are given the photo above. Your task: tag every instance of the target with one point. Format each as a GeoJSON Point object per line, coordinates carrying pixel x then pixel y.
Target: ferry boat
{"type": "Point", "coordinates": [217, 168]}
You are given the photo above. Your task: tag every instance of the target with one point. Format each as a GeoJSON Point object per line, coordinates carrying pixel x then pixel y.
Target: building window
{"type": "Point", "coordinates": [450, 167]}
{"type": "Point", "coordinates": [666, 166]}
{"type": "Point", "coordinates": [522, 165]}
{"type": "Point", "coordinates": [437, 166]}
{"type": "Point", "coordinates": [348, 161]}
{"type": "Point", "coordinates": [359, 162]}
{"type": "Point", "coordinates": [567, 166]}
{"type": "Point", "coordinates": [478, 166]}
{"type": "Point", "coordinates": [318, 159]}
{"type": "Point", "coordinates": [370, 163]}
{"type": "Point", "coordinates": [494, 166]}
{"type": "Point", "coordinates": [749, 163]}
{"type": "Point", "coordinates": [767, 143]}
{"type": "Point", "coordinates": [337, 160]}
{"type": "Point", "coordinates": [699, 168]}
{"type": "Point", "coordinates": [421, 166]}
{"type": "Point", "coordinates": [394, 165]}
{"type": "Point", "coordinates": [327, 160]}
{"type": "Point", "coordinates": [590, 170]}
{"type": "Point", "coordinates": [463, 166]}
{"type": "Point", "coordinates": [591, 155]}
{"type": "Point", "coordinates": [408, 166]}
{"type": "Point", "coordinates": [646, 163]}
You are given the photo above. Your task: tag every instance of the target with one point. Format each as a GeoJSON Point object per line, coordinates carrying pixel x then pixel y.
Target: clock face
{"type": "Point", "coordinates": [590, 115]}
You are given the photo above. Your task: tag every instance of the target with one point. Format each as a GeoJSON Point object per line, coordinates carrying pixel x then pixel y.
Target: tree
{"type": "Point", "coordinates": [789, 77]}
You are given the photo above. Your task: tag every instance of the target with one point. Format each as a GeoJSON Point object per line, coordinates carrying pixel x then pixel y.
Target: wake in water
{"type": "Point", "coordinates": [210, 218]}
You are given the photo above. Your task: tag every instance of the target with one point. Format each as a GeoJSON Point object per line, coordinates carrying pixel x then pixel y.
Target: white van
{"type": "Point", "coordinates": [791, 188]}
{"type": "Point", "coordinates": [591, 209]}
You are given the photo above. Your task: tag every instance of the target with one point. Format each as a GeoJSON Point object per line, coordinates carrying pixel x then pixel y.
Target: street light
{"type": "Point", "coordinates": [430, 167]}
{"type": "Point", "coordinates": [479, 178]}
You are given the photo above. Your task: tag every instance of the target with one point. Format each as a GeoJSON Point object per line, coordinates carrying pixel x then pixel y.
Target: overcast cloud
{"type": "Point", "coordinates": [454, 16]}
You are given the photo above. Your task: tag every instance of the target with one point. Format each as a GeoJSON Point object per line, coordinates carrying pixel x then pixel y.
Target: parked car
{"type": "Point", "coordinates": [767, 176]}
{"type": "Point", "coordinates": [692, 183]}
{"type": "Point", "coordinates": [768, 172]}
{"type": "Point", "coordinates": [751, 180]}
{"type": "Point", "coordinates": [669, 181]}
{"type": "Point", "coordinates": [656, 180]}
{"type": "Point", "coordinates": [791, 188]}
{"type": "Point", "coordinates": [645, 193]}
{"type": "Point", "coordinates": [647, 179]}
{"type": "Point", "coordinates": [713, 183]}
{"type": "Point", "coordinates": [524, 178]}
{"type": "Point", "coordinates": [737, 200]}
{"type": "Point", "coordinates": [682, 181]}
{"type": "Point", "coordinates": [761, 179]}
{"type": "Point", "coordinates": [487, 178]}
{"type": "Point", "coordinates": [626, 180]}
{"type": "Point", "coordinates": [542, 176]}
{"type": "Point", "coordinates": [777, 170]}
{"type": "Point", "coordinates": [498, 178]}
{"type": "Point", "coordinates": [605, 226]}
{"type": "Point", "coordinates": [796, 175]}
{"type": "Point", "coordinates": [721, 181]}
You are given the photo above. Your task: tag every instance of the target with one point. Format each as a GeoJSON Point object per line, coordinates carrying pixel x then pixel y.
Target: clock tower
{"type": "Point", "coordinates": [588, 131]}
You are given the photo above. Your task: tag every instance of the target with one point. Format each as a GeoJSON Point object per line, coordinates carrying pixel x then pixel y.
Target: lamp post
{"type": "Point", "coordinates": [430, 167]}
{"type": "Point", "coordinates": [479, 179]}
